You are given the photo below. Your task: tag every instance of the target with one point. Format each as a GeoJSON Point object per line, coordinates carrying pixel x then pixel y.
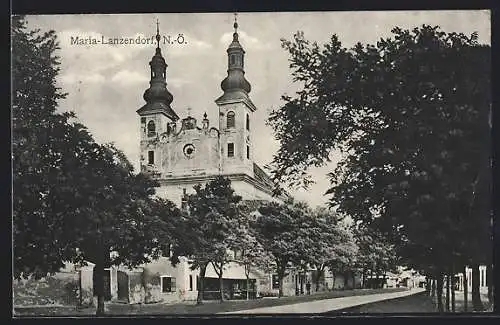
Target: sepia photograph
{"type": "Point", "coordinates": [252, 163]}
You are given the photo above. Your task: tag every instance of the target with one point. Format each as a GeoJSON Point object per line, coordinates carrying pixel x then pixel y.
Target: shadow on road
{"type": "Point", "coordinates": [418, 303]}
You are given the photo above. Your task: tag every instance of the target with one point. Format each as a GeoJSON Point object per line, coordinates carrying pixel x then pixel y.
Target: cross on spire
{"type": "Point", "coordinates": [158, 37]}
{"type": "Point", "coordinates": [235, 25]}
{"type": "Point", "coordinates": [189, 111]}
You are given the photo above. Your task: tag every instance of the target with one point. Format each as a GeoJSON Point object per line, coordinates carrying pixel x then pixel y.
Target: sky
{"type": "Point", "coordinates": [105, 82]}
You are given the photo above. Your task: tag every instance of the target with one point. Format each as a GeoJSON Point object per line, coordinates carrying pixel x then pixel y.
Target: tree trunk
{"type": "Point", "coordinates": [201, 289]}
{"type": "Point", "coordinates": [452, 275]}
{"type": "Point", "coordinates": [281, 274]}
{"type": "Point", "coordinates": [489, 282]}
{"type": "Point", "coordinates": [280, 291]}
{"type": "Point", "coordinates": [334, 278]}
{"type": "Point", "coordinates": [433, 288]}
{"type": "Point", "coordinates": [297, 292]}
{"type": "Point", "coordinates": [448, 280]}
{"type": "Point", "coordinates": [247, 275]}
{"type": "Point", "coordinates": [453, 296]}
{"type": "Point", "coordinates": [353, 280]}
{"type": "Point", "coordinates": [439, 288]}
{"type": "Point", "coordinates": [466, 288]}
{"type": "Point", "coordinates": [317, 278]}
{"type": "Point", "coordinates": [221, 286]}
{"type": "Point", "coordinates": [477, 305]}
{"type": "Point", "coordinates": [218, 268]}
{"type": "Point", "coordinates": [99, 279]}
{"type": "Point", "coordinates": [428, 286]}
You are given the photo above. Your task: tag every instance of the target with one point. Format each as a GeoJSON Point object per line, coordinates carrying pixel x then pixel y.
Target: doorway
{"type": "Point", "coordinates": [123, 286]}
{"type": "Point", "coordinates": [107, 284]}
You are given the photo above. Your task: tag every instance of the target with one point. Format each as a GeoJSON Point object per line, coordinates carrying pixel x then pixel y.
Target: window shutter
{"type": "Point", "coordinates": [172, 285]}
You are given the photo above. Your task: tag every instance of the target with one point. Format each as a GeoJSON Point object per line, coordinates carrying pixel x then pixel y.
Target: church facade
{"type": "Point", "coordinates": [180, 153]}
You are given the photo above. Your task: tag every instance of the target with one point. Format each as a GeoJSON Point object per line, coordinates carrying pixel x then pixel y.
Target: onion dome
{"type": "Point", "coordinates": [157, 96]}
{"type": "Point", "coordinates": [235, 80]}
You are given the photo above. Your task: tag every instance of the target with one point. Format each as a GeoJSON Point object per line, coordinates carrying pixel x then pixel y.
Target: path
{"type": "Point", "coordinates": [326, 305]}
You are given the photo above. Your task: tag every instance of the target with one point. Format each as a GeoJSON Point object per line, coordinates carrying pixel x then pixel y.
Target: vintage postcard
{"type": "Point", "coordinates": [252, 163]}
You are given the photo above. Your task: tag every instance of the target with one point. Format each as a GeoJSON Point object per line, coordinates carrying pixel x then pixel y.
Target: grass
{"type": "Point", "coordinates": [209, 307]}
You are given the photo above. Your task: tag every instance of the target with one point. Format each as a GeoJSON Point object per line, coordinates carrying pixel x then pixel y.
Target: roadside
{"type": "Point", "coordinates": [460, 305]}
{"type": "Point", "coordinates": [327, 305]}
{"type": "Point", "coordinates": [417, 303]}
{"type": "Point", "coordinates": [209, 307]}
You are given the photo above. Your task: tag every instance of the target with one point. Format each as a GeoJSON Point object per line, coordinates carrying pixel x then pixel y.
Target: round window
{"type": "Point", "coordinates": [189, 150]}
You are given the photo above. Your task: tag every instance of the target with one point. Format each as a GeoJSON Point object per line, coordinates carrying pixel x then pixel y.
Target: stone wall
{"type": "Point", "coordinates": [136, 290]}
{"type": "Point", "coordinates": [86, 285]}
{"type": "Point", "coordinates": [59, 289]}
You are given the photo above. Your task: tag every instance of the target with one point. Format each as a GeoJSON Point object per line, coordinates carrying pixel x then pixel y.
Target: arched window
{"type": "Point", "coordinates": [230, 120]}
{"type": "Point", "coordinates": [151, 129]}
{"type": "Point", "coordinates": [248, 122]}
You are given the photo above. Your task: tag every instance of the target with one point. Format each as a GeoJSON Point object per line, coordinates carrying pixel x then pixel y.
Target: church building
{"type": "Point", "coordinates": [181, 153]}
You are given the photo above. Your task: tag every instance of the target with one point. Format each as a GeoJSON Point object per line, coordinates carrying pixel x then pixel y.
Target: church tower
{"type": "Point", "coordinates": [156, 116]}
{"type": "Point", "coordinates": [236, 113]}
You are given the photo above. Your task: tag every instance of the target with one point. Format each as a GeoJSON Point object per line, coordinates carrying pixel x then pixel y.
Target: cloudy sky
{"type": "Point", "coordinates": [105, 83]}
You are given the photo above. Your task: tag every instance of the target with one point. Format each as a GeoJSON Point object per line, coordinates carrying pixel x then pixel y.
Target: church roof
{"type": "Point", "coordinates": [262, 176]}
{"type": "Point", "coordinates": [235, 86]}
{"type": "Point", "coordinates": [157, 96]}
{"type": "Point", "coordinates": [155, 107]}
{"type": "Point", "coordinates": [236, 96]}
{"type": "Point", "coordinates": [264, 179]}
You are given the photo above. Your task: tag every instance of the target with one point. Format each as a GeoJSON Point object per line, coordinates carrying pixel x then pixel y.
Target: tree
{"type": "Point", "coordinates": [247, 249]}
{"type": "Point", "coordinates": [118, 214]}
{"type": "Point", "coordinates": [74, 200]}
{"type": "Point", "coordinates": [36, 153]}
{"type": "Point", "coordinates": [345, 257]}
{"type": "Point", "coordinates": [332, 244]}
{"type": "Point", "coordinates": [279, 230]}
{"type": "Point", "coordinates": [376, 256]}
{"type": "Point", "coordinates": [209, 224]}
{"type": "Point", "coordinates": [413, 131]}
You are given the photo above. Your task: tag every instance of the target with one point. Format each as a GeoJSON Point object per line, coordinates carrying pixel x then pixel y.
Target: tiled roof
{"type": "Point", "coordinates": [262, 176]}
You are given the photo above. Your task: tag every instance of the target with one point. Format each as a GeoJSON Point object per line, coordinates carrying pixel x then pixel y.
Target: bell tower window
{"type": "Point", "coordinates": [248, 152]}
{"type": "Point", "coordinates": [151, 157]}
{"type": "Point", "coordinates": [151, 129]}
{"type": "Point", "coordinates": [230, 120]}
{"type": "Point", "coordinates": [248, 123]}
